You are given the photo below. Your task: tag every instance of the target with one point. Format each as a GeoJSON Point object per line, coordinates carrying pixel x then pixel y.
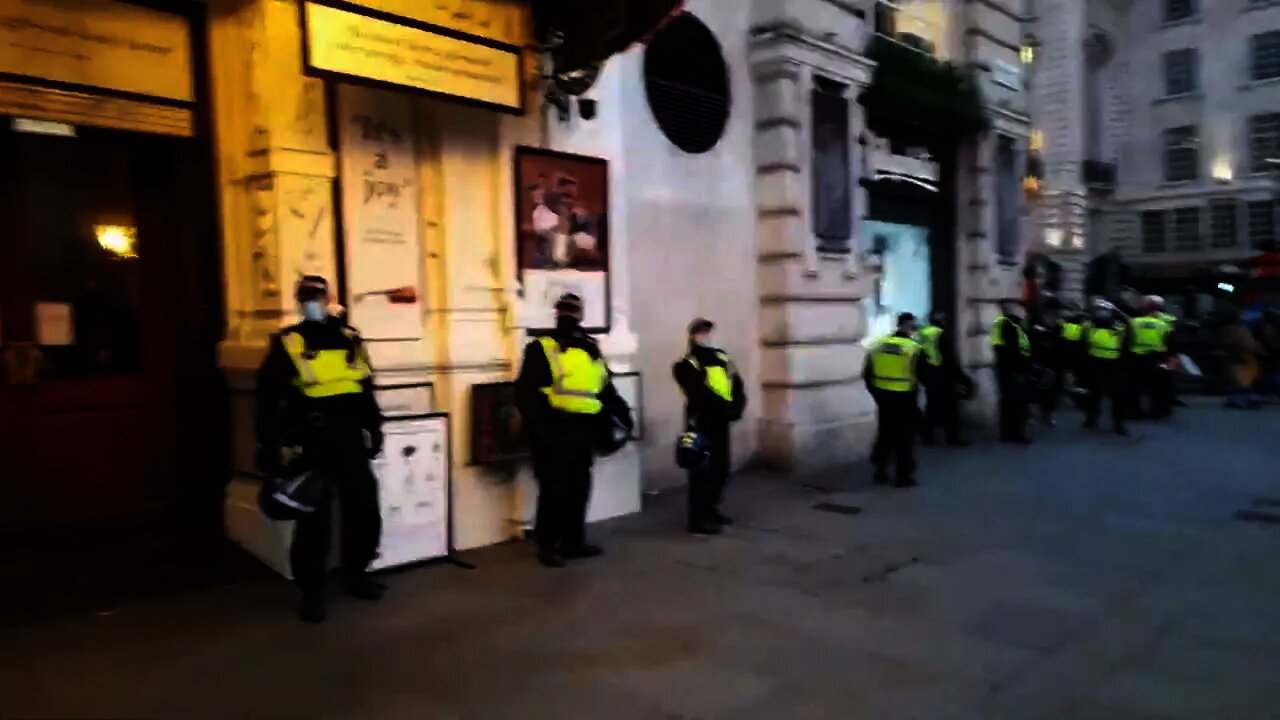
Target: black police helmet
{"type": "Point", "coordinates": [691, 451]}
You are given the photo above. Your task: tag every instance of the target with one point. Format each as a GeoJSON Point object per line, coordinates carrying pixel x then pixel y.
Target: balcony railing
{"type": "Point", "coordinates": [1099, 175]}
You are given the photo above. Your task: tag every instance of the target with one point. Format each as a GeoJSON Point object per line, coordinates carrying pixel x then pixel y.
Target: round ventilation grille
{"type": "Point", "coordinates": [687, 84]}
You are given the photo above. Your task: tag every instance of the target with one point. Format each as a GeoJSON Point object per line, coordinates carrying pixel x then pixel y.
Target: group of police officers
{"type": "Point", "coordinates": [316, 398]}
{"type": "Point", "coordinates": [318, 419]}
{"type": "Point", "coordinates": [1108, 356]}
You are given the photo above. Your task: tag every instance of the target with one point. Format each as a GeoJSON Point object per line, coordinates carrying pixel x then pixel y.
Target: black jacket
{"type": "Point", "coordinates": [1008, 356]}
{"type": "Point", "coordinates": [535, 374]}
{"type": "Point", "coordinates": [702, 406]}
{"type": "Point", "coordinates": [282, 408]}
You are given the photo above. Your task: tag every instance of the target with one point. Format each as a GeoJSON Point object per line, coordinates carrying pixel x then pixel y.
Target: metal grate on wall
{"type": "Point", "coordinates": [686, 82]}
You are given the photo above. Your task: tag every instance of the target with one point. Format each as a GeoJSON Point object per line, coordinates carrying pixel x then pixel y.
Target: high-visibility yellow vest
{"type": "Point", "coordinates": [576, 379]}
{"type": "Point", "coordinates": [325, 373]}
{"type": "Point", "coordinates": [997, 337]}
{"type": "Point", "coordinates": [1072, 332]}
{"type": "Point", "coordinates": [930, 339]}
{"type": "Point", "coordinates": [892, 364]}
{"type": "Point", "coordinates": [1149, 335]}
{"type": "Point", "coordinates": [717, 376]}
{"type": "Point", "coordinates": [1105, 343]}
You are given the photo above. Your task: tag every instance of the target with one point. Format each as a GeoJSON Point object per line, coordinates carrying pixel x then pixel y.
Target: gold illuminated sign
{"type": "Point", "coordinates": [347, 44]}
{"type": "Point", "coordinates": [506, 21]}
{"type": "Point", "coordinates": [99, 44]}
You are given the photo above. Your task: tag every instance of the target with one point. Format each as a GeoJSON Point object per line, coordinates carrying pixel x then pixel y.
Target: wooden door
{"type": "Point", "coordinates": [88, 261]}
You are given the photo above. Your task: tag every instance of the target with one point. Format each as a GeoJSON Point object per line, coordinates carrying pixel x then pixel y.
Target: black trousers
{"type": "Point", "coordinates": [1013, 405]}
{"type": "Point", "coordinates": [707, 484]}
{"type": "Point", "coordinates": [1105, 379]}
{"type": "Point", "coordinates": [1051, 394]}
{"type": "Point", "coordinates": [1152, 383]}
{"type": "Point", "coordinates": [942, 407]}
{"type": "Point", "coordinates": [339, 455]}
{"type": "Point", "coordinates": [562, 464]}
{"type": "Point", "coordinates": [898, 417]}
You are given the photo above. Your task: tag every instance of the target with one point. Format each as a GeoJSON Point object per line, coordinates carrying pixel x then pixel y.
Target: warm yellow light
{"type": "Point", "coordinates": [1222, 171]}
{"type": "Point", "coordinates": [117, 239]}
{"type": "Point", "coordinates": [1036, 142]}
{"type": "Point", "coordinates": [1027, 54]}
{"type": "Point", "coordinates": [1031, 184]}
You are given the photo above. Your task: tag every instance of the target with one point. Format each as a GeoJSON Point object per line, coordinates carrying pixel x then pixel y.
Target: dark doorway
{"type": "Point", "coordinates": [110, 305]}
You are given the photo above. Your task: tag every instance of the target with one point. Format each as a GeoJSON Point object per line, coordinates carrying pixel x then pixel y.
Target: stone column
{"type": "Point", "coordinates": [275, 188]}
{"type": "Point", "coordinates": [816, 412]}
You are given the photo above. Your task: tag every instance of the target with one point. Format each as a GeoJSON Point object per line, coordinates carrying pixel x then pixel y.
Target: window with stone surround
{"type": "Point", "coordinates": [1186, 228]}
{"type": "Point", "coordinates": [1181, 153]}
{"type": "Point", "coordinates": [1153, 231]}
{"type": "Point", "coordinates": [832, 174]}
{"type": "Point", "coordinates": [1008, 242]}
{"type": "Point", "coordinates": [1177, 10]}
{"type": "Point", "coordinates": [1222, 223]}
{"type": "Point", "coordinates": [1262, 225]}
{"type": "Point", "coordinates": [1264, 142]}
{"type": "Point", "coordinates": [1181, 72]}
{"type": "Point", "coordinates": [1264, 55]}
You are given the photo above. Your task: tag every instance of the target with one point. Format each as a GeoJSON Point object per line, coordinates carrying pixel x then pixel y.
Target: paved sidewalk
{"type": "Point", "coordinates": [1087, 577]}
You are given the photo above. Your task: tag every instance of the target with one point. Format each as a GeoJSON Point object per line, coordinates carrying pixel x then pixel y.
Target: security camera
{"type": "Point", "coordinates": [587, 108]}
{"type": "Point", "coordinates": [560, 102]}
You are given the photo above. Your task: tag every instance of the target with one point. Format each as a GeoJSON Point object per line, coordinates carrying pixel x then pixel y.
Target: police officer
{"type": "Point", "coordinates": [566, 395]}
{"type": "Point", "coordinates": [1107, 344]}
{"type": "Point", "coordinates": [1012, 348]}
{"type": "Point", "coordinates": [715, 398]}
{"type": "Point", "coordinates": [1070, 350]}
{"type": "Point", "coordinates": [1150, 353]}
{"type": "Point", "coordinates": [315, 391]}
{"type": "Point", "coordinates": [890, 372]}
{"type": "Point", "coordinates": [941, 374]}
{"type": "Point", "coordinates": [1171, 325]}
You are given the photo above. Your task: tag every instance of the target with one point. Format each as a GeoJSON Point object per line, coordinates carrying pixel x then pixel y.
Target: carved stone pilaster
{"type": "Point", "coordinates": [815, 412]}
{"type": "Point", "coordinates": [276, 168]}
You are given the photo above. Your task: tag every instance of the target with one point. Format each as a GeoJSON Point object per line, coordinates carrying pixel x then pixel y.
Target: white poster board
{"type": "Point", "coordinates": [413, 474]}
{"type": "Point", "coordinates": [378, 174]}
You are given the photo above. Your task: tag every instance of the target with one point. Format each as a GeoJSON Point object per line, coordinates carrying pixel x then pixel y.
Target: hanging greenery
{"type": "Point", "coordinates": [912, 86]}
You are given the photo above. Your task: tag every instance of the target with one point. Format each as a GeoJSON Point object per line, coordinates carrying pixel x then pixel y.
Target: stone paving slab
{"type": "Point", "coordinates": [1085, 578]}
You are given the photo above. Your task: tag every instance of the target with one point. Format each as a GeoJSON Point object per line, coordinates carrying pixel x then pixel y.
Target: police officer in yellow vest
{"type": "Point", "coordinates": [890, 373]}
{"type": "Point", "coordinates": [1012, 348]}
{"type": "Point", "coordinates": [941, 376]}
{"type": "Point", "coordinates": [1107, 342]}
{"type": "Point", "coordinates": [715, 398]}
{"type": "Point", "coordinates": [1150, 354]}
{"type": "Point", "coordinates": [565, 395]}
{"type": "Point", "coordinates": [315, 391]}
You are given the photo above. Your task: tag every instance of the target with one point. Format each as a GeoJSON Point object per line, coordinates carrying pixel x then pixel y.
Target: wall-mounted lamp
{"type": "Point", "coordinates": [119, 240]}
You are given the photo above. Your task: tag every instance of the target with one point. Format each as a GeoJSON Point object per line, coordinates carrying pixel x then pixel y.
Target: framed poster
{"type": "Point", "coordinates": [415, 491]}
{"type": "Point", "coordinates": [562, 235]}
{"type": "Point", "coordinates": [631, 388]}
{"type": "Point", "coordinates": [497, 429]}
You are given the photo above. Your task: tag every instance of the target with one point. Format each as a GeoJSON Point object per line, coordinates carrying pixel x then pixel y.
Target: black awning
{"type": "Point", "coordinates": [595, 30]}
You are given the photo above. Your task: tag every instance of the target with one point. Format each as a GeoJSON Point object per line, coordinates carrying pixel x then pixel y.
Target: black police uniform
{"type": "Point", "coordinates": [1012, 367]}
{"type": "Point", "coordinates": [1108, 378]}
{"type": "Point", "coordinates": [711, 416]}
{"type": "Point", "coordinates": [942, 401]}
{"type": "Point", "coordinates": [563, 446]}
{"type": "Point", "coordinates": [897, 424]}
{"type": "Point", "coordinates": [338, 436]}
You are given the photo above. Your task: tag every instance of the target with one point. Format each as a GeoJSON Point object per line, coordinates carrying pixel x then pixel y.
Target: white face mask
{"type": "Point", "coordinates": [314, 311]}
{"type": "Point", "coordinates": [703, 341]}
